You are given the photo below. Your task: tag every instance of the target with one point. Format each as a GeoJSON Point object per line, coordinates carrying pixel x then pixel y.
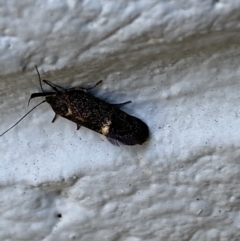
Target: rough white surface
{"type": "Point", "coordinates": [178, 61]}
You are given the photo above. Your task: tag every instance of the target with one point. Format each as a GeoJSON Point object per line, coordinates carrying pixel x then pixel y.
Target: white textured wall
{"type": "Point", "coordinates": [178, 61]}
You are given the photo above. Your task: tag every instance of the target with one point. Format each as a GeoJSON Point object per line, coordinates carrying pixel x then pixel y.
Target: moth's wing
{"type": "Point", "coordinates": [114, 142]}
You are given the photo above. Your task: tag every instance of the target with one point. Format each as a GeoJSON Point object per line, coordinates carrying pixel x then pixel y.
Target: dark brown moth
{"type": "Point", "coordinates": [79, 106]}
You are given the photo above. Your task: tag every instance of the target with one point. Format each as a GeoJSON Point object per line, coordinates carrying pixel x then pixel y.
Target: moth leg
{"type": "Point", "coordinates": [57, 86]}
{"type": "Point", "coordinates": [77, 88]}
{"type": "Point", "coordinates": [78, 126]}
{"type": "Point", "coordinates": [52, 85]}
{"type": "Point", "coordinates": [122, 104]}
{"type": "Point", "coordinates": [54, 118]}
{"type": "Point", "coordinates": [94, 86]}
{"type": "Point", "coordinates": [84, 89]}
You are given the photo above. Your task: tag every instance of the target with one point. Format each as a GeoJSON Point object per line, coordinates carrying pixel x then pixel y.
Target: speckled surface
{"type": "Point", "coordinates": [178, 61]}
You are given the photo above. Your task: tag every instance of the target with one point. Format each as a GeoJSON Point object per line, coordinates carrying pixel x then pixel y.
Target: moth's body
{"type": "Point", "coordinates": [93, 113]}
{"type": "Point", "coordinates": [80, 107]}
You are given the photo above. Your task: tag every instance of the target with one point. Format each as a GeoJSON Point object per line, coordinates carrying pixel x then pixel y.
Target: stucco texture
{"type": "Point", "coordinates": [178, 62]}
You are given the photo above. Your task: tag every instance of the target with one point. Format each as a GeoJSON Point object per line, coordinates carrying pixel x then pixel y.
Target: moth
{"type": "Point", "coordinates": [81, 107]}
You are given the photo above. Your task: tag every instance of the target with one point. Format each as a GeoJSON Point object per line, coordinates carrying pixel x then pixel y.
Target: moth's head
{"type": "Point", "coordinates": [52, 98]}
{"type": "Point", "coordinates": [58, 103]}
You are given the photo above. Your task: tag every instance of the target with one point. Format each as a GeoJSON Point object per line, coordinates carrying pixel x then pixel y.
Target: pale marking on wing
{"type": "Point", "coordinates": [105, 128]}
{"type": "Point", "coordinates": [80, 118]}
{"type": "Point", "coordinates": [69, 112]}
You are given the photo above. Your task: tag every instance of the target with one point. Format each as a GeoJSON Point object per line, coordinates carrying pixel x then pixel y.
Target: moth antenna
{"type": "Point", "coordinates": [39, 78]}
{"type": "Point", "coordinates": [53, 85]}
{"type": "Point", "coordinates": [22, 118]}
